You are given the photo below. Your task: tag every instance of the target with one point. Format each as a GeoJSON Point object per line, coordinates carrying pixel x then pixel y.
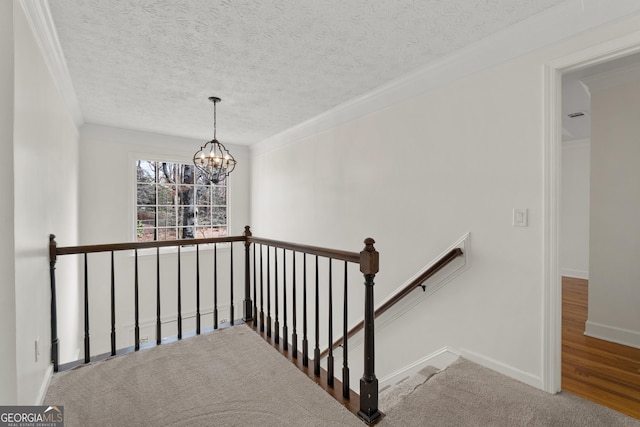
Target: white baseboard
{"type": "Point", "coordinates": [502, 368]}
{"type": "Point", "coordinates": [148, 326]}
{"type": "Point", "coordinates": [611, 333]}
{"type": "Point", "coordinates": [438, 359]}
{"type": "Point", "coordinates": [578, 274]}
{"type": "Point", "coordinates": [45, 385]}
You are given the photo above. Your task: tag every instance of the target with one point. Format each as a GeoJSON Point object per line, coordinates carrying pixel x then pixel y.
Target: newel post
{"type": "Point", "coordinates": [369, 266]}
{"type": "Point", "coordinates": [55, 351]}
{"type": "Point", "coordinates": [247, 276]}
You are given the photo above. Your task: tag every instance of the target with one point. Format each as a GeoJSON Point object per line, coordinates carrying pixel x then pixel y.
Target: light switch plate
{"type": "Point", "coordinates": [520, 217]}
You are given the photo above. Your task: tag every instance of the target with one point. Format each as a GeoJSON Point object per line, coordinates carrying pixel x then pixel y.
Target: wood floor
{"type": "Point", "coordinates": [597, 370]}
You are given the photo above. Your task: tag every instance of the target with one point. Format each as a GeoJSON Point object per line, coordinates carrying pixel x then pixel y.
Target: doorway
{"type": "Point", "coordinates": [595, 60]}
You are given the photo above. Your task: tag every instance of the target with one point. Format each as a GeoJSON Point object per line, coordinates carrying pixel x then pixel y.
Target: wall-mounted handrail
{"type": "Point", "coordinates": [418, 281]}
{"type": "Point", "coordinates": [399, 295]}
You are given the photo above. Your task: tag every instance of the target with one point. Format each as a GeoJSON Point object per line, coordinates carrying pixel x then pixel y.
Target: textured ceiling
{"type": "Point", "coordinates": [151, 65]}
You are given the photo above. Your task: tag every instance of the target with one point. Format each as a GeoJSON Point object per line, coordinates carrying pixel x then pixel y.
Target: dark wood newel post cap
{"type": "Point", "coordinates": [369, 257]}
{"type": "Point", "coordinates": [247, 230]}
{"type": "Point", "coordinates": [52, 247]}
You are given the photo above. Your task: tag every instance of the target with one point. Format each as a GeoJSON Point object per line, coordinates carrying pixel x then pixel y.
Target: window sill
{"type": "Point", "coordinates": [169, 250]}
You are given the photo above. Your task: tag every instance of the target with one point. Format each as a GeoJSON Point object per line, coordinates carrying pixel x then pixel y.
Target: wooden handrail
{"type": "Point", "coordinates": [70, 250]}
{"type": "Point", "coordinates": [353, 257]}
{"type": "Point", "coordinates": [418, 281]}
{"type": "Point", "coordinates": [312, 250]}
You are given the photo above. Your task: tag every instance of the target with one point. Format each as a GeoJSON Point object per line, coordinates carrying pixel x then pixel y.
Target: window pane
{"type": "Point", "coordinates": [200, 178]}
{"type": "Point", "coordinates": [207, 232]}
{"type": "Point", "coordinates": [203, 195]}
{"type": "Point", "coordinates": [166, 194]}
{"type": "Point", "coordinates": [203, 232]}
{"type": "Point", "coordinates": [185, 195]}
{"type": "Point", "coordinates": [166, 173]}
{"type": "Point", "coordinates": [146, 194]}
{"type": "Point", "coordinates": [163, 233]}
{"type": "Point", "coordinates": [167, 216]}
{"type": "Point", "coordinates": [219, 215]}
{"type": "Point", "coordinates": [186, 215]}
{"type": "Point", "coordinates": [187, 174]}
{"type": "Point", "coordinates": [146, 234]}
{"type": "Point", "coordinates": [146, 171]}
{"type": "Point", "coordinates": [147, 214]}
{"type": "Point", "coordinates": [145, 223]}
{"type": "Point", "coordinates": [219, 196]}
{"type": "Point", "coordinates": [204, 215]}
{"type": "Point", "coordinates": [186, 232]}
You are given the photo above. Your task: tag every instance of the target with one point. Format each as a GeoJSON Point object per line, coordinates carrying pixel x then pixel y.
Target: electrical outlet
{"type": "Point", "coordinates": [144, 340]}
{"type": "Point", "coordinates": [225, 320]}
{"type": "Point", "coordinates": [37, 348]}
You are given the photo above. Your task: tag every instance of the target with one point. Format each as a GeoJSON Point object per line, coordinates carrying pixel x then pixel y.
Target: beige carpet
{"type": "Point", "coordinates": [233, 378]}
{"type": "Point", "coordinates": [391, 396]}
{"type": "Point", "coordinates": [227, 378]}
{"type": "Point", "coordinates": [467, 394]}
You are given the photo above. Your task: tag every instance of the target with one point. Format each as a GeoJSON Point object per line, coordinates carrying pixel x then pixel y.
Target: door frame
{"type": "Point", "coordinates": [552, 157]}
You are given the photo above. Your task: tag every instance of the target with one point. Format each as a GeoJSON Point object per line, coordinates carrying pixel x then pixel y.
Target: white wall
{"type": "Point", "coordinates": [107, 215]}
{"type": "Point", "coordinates": [107, 211]}
{"type": "Point", "coordinates": [574, 226]}
{"type": "Point", "coordinates": [418, 175]}
{"type": "Point", "coordinates": [614, 286]}
{"type": "Point", "coordinates": [8, 377]}
{"type": "Point", "coordinates": [45, 201]}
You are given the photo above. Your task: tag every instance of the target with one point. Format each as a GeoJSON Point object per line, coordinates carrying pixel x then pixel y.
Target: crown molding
{"type": "Point", "coordinates": [158, 141]}
{"type": "Point", "coordinates": [41, 22]}
{"type": "Point", "coordinates": [558, 23]}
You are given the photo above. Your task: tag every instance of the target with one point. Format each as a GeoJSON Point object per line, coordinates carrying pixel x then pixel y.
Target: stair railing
{"type": "Point", "coordinates": [367, 260]}
{"type": "Point", "coordinates": [419, 281]}
{"type": "Point", "coordinates": [272, 254]}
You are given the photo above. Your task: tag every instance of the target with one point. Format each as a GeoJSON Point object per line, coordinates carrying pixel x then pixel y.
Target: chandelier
{"type": "Point", "coordinates": [213, 160]}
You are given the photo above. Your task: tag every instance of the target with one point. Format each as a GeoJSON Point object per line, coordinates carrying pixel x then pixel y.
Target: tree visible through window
{"type": "Point", "coordinates": [174, 202]}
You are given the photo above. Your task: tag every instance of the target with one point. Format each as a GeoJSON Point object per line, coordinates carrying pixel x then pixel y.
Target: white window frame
{"type": "Point", "coordinates": [133, 203]}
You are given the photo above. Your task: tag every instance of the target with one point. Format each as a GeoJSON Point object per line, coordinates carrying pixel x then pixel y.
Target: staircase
{"type": "Point", "coordinates": [292, 309]}
{"type": "Point", "coordinates": [293, 295]}
{"type": "Point", "coordinates": [467, 394]}
{"type": "Point", "coordinates": [282, 303]}
{"type": "Point", "coordinates": [393, 395]}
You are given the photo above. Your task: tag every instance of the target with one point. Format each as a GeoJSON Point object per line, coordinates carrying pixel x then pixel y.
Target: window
{"type": "Point", "coordinates": [174, 202]}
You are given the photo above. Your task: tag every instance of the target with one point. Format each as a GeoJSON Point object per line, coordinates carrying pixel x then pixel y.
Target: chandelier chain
{"type": "Point", "coordinates": [214, 120]}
